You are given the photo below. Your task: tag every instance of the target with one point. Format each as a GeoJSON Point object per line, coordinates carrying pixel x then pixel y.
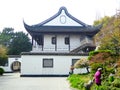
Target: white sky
{"type": "Point", "coordinates": [12, 12]}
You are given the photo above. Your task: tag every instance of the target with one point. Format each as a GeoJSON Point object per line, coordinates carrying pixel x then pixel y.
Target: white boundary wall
{"type": "Point", "coordinates": [11, 60]}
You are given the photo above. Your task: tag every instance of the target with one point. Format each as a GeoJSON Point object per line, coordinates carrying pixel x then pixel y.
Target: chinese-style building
{"type": "Point", "coordinates": [58, 43]}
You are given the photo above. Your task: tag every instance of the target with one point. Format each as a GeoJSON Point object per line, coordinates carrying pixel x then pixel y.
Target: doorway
{"type": "Point", "coordinates": [16, 66]}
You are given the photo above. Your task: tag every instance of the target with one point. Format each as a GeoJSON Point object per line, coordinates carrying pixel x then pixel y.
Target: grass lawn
{"type": "Point", "coordinates": [77, 81]}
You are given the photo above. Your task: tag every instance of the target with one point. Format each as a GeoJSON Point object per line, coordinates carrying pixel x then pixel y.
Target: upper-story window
{"type": "Point", "coordinates": [67, 40]}
{"type": "Point", "coordinates": [53, 40]}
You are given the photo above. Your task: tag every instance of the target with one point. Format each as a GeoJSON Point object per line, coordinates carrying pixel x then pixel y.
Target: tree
{"type": "Point", "coordinates": [16, 42]}
{"type": "Point", "coordinates": [104, 20]}
{"type": "Point", "coordinates": [3, 56]}
{"type": "Point", "coordinates": [109, 36]}
{"type": "Point", "coordinates": [111, 41]}
{"type": "Point", "coordinates": [20, 43]}
{"type": "Point", "coordinates": [6, 36]}
{"type": "Point", "coordinates": [82, 63]}
{"type": "Point", "coordinates": [112, 44]}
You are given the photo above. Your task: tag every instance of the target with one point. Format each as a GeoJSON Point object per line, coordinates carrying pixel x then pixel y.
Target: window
{"type": "Point", "coordinates": [48, 63]}
{"type": "Point", "coordinates": [74, 61]}
{"type": "Point", "coordinates": [67, 41]}
{"type": "Point", "coordinates": [53, 40]}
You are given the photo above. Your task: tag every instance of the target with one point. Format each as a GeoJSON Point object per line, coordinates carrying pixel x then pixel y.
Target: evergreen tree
{"type": "Point", "coordinates": [6, 36]}
{"type": "Point", "coordinates": [20, 43]}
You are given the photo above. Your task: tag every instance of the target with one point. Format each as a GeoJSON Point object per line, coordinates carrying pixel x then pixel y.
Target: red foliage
{"type": "Point", "coordinates": [101, 57]}
{"type": "Point", "coordinates": [118, 63]}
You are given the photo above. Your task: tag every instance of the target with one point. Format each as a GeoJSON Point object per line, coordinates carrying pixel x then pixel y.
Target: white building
{"type": "Point", "coordinates": [57, 43]}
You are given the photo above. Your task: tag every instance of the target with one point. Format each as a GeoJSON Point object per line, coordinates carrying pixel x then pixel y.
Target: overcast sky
{"type": "Point", "coordinates": [12, 12]}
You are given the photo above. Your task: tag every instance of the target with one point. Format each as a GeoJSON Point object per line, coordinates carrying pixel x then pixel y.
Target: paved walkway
{"type": "Point", "coordinates": [13, 81]}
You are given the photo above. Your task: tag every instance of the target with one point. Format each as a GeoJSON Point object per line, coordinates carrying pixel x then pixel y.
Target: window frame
{"type": "Point", "coordinates": [47, 66]}
{"type": "Point", "coordinates": [67, 40]}
{"type": "Point", "coordinates": [74, 61]}
{"type": "Point", "coordinates": [53, 40]}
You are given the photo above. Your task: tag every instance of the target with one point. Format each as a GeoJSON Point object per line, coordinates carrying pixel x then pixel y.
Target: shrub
{"type": "Point", "coordinates": [82, 63]}
{"type": "Point", "coordinates": [118, 72]}
{"type": "Point", "coordinates": [95, 66]}
{"type": "Point", "coordinates": [1, 71]}
{"type": "Point", "coordinates": [77, 81]}
{"type": "Point", "coordinates": [3, 60]}
{"type": "Point", "coordinates": [103, 87]}
{"type": "Point", "coordinates": [110, 70]}
{"type": "Point", "coordinates": [116, 83]}
{"type": "Point", "coordinates": [93, 53]}
{"type": "Point", "coordinates": [111, 78]}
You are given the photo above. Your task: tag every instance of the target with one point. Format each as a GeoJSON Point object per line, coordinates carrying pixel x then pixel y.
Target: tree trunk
{"type": "Point", "coordinates": [87, 68]}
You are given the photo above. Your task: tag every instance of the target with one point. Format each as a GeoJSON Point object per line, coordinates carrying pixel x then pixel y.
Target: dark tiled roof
{"type": "Point", "coordinates": [63, 29]}
{"type": "Point", "coordinates": [84, 46]}
{"type": "Point", "coordinates": [14, 56]}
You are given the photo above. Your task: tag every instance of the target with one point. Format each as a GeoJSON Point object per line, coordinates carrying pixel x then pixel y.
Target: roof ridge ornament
{"type": "Point", "coordinates": [63, 8]}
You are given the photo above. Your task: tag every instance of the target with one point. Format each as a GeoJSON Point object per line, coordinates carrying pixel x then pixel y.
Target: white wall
{"type": "Point", "coordinates": [60, 44]}
{"type": "Point", "coordinates": [10, 62]}
{"type": "Point", "coordinates": [48, 46]}
{"type": "Point", "coordinates": [33, 65]}
{"type": "Point", "coordinates": [74, 41]}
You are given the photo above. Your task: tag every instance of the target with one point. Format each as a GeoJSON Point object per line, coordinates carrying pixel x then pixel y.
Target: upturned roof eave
{"type": "Point", "coordinates": [61, 29]}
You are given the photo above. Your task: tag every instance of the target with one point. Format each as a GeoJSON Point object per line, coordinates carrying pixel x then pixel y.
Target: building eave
{"type": "Point", "coordinates": [63, 29]}
{"type": "Point", "coordinates": [54, 53]}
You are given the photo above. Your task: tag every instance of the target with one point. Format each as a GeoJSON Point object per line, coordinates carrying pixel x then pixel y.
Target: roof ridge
{"type": "Point", "coordinates": [58, 13]}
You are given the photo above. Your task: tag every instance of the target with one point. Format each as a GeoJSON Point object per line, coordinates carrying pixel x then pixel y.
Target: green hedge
{"type": "Point", "coordinates": [1, 71]}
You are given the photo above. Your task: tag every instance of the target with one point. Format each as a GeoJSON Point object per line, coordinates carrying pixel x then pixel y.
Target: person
{"type": "Point", "coordinates": [97, 76]}
{"type": "Point", "coordinates": [71, 69]}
